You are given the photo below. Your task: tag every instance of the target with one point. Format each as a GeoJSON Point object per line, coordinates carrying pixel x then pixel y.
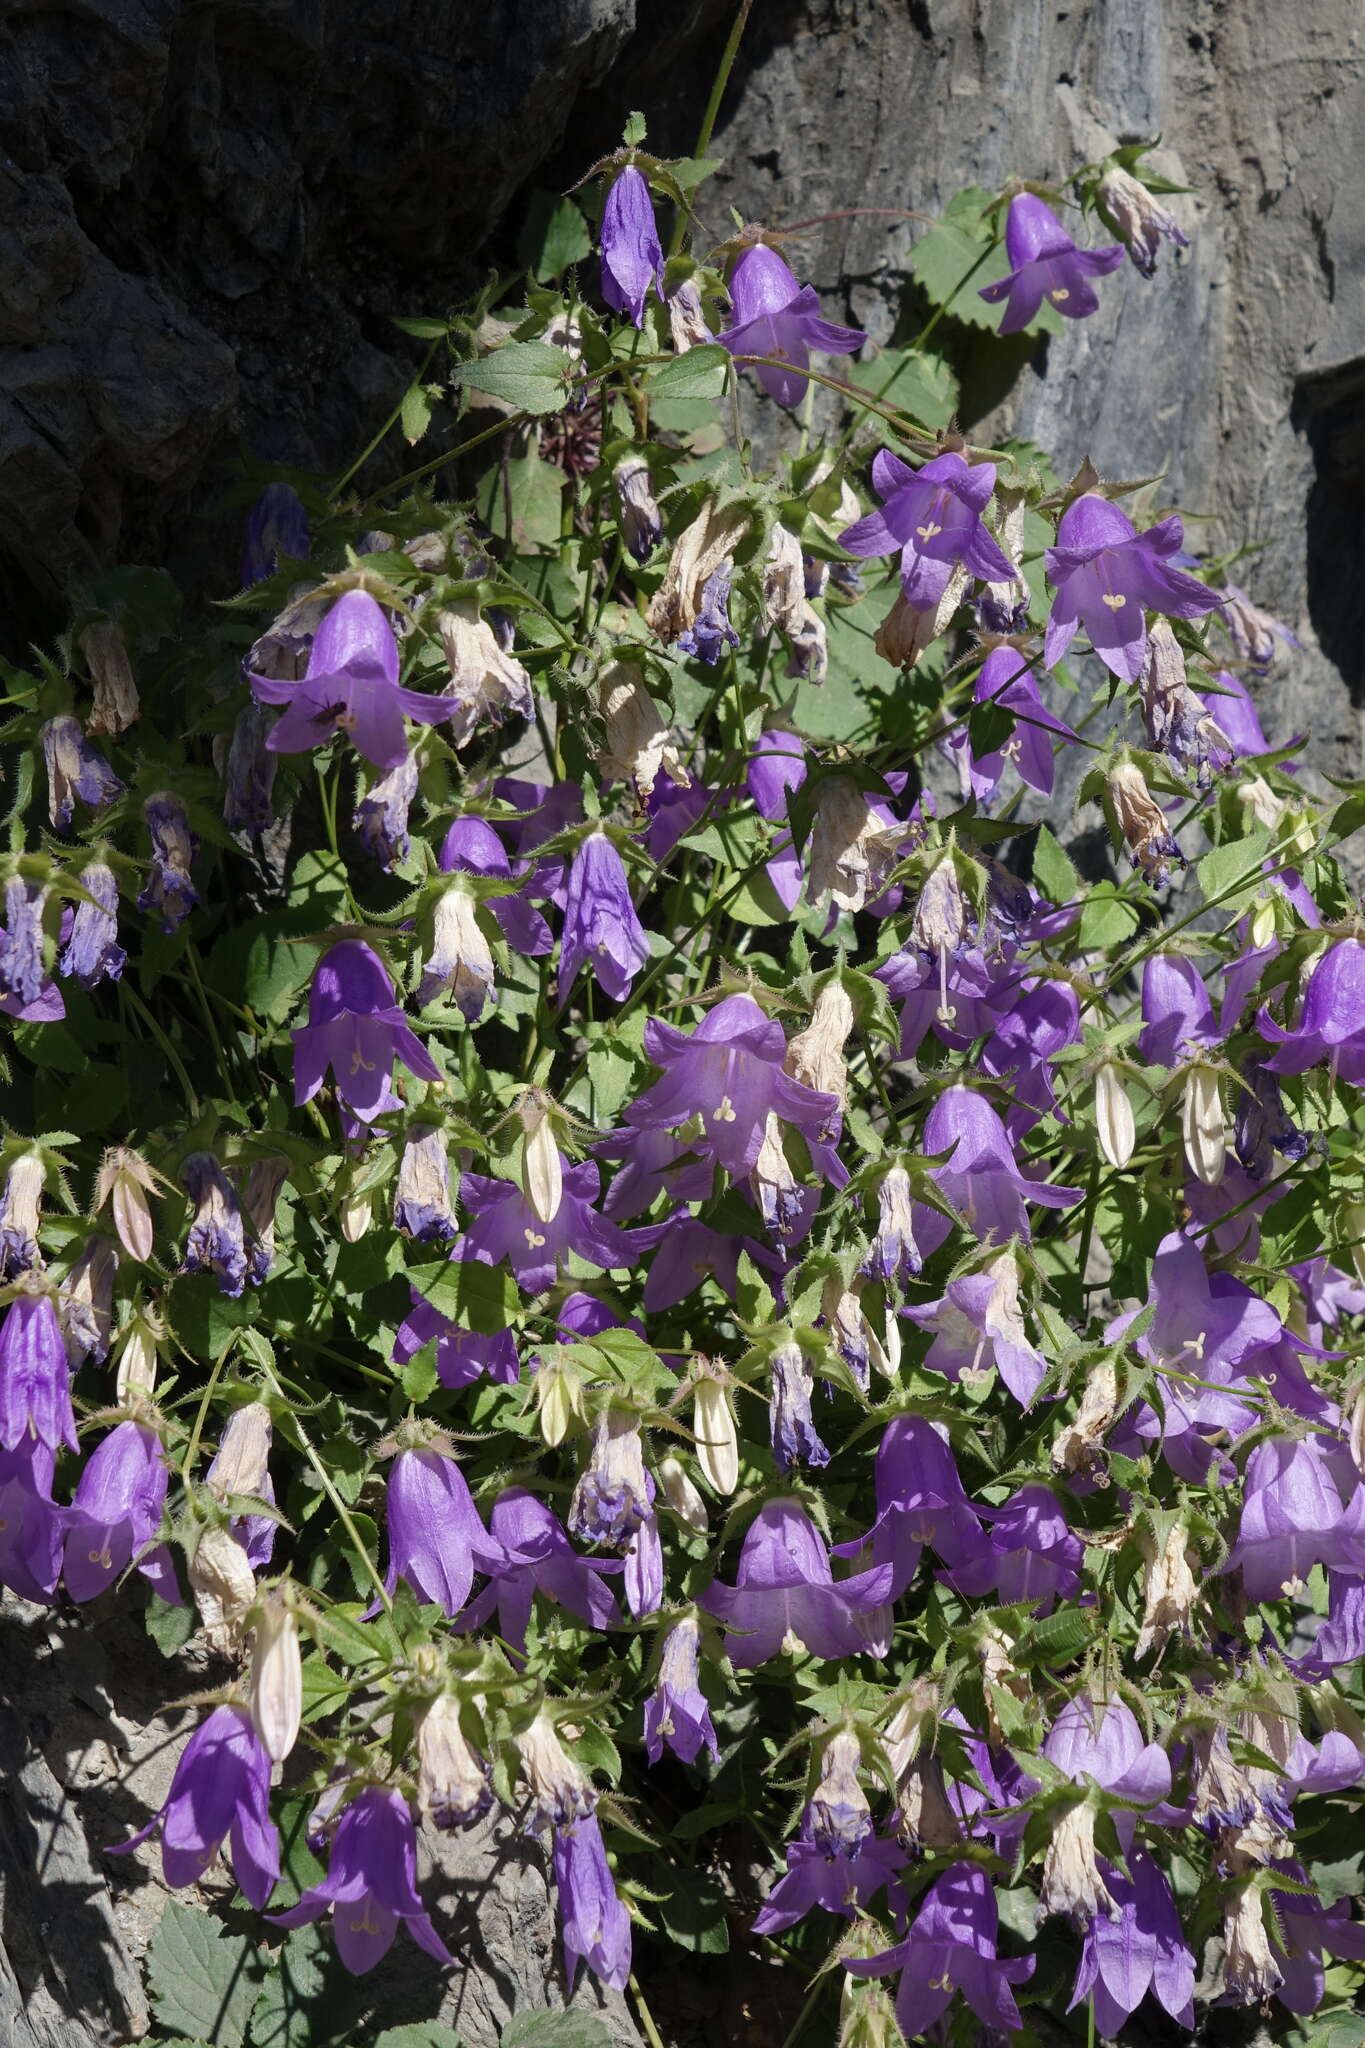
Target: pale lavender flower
{"type": "Point", "coordinates": [356, 1028]}
{"type": "Point", "coordinates": [35, 1376]}
{"type": "Point", "coordinates": [538, 1558]}
{"type": "Point", "coordinates": [91, 952]}
{"type": "Point", "coordinates": [351, 686]}
{"type": "Point", "coordinates": [435, 1535]}
{"type": "Point", "coordinates": [116, 1511]}
{"type": "Point", "coordinates": [952, 1947]}
{"type": "Point", "coordinates": [785, 1595]}
{"type": "Point", "coordinates": [932, 518]}
{"type": "Point", "coordinates": [1107, 575]}
{"type": "Point", "coordinates": [75, 769]}
{"type": "Point", "coordinates": [677, 1712]}
{"type": "Point", "coordinates": [600, 922]}
{"type": "Point", "coordinates": [381, 816]}
{"type": "Point", "coordinates": [595, 1926]}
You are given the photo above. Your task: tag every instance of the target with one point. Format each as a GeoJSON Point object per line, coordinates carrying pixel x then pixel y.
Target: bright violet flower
{"type": "Point", "coordinates": [35, 1377]}
{"type": "Point", "coordinates": [776, 316]}
{"type": "Point", "coordinates": [351, 686]}
{"type": "Point", "coordinates": [221, 1789]}
{"type": "Point", "coordinates": [277, 525]}
{"type": "Point", "coordinates": [217, 1237]}
{"type": "Point", "coordinates": [472, 847]}
{"type": "Point", "coordinates": [676, 1712]}
{"type": "Point", "coordinates": [1141, 1950]}
{"type": "Point", "coordinates": [371, 1884]}
{"type": "Point", "coordinates": [594, 1924]}
{"type": "Point", "coordinates": [1046, 264]}
{"type": "Point", "coordinates": [435, 1535]}
{"type": "Point", "coordinates": [1234, 712]}
{"type": "Point", "coordinates": [26, 991]}
{"type": "Point", "coordinates": [75, 769]}
{"type": "Point", "coordinates": [538, 1558]}
{"type": "Point", "coordinates": [1007, 680]}
{"type": "Point", "coordinates": [785, 1595]}
{"type": "Point", "coordinates": [32, 1529]}
{"type": "Point", "coordinates": [632, 260]}
{"type": "Point", "coordinates": [503, 1225]}
{"type": "Point", "coordinates": [357, 1029]}
{"type": "Point", "coordinates": [1031, 1554]}
{"type": "Point", "coordinates": [920, 1499]}
{"type": "Point", "coordinates": [1177, 1014]}
{"type": "Point", "coordinates": [1042, 1017]}
{"type": "Point", "coordinates": [652, 1165]}
{"type": "Point", "coordinates": [1293, 1517]}
{"type": "Point", "coordinates": [1305, 1931]}
{"type": "Point", "coordinates": [710, 633]}
{"type": "Point", "coordinates": [169, 889]}
{"type": "Point", "coordinates": [931, 518]}
{"type": "Point", "coordinates": [115, 1513]}
{"type": "Point", "coordinates": [462, 1356]}
{"type": "Point", "coordinates": [600, 924]}
{"type": "Point", "coordinates": [90, 951]}
{"type": "Point", "coordinates": [1331, 1028]}
{"type": "Point", "coordinates": [729, 1073]}
{"type": "Point", "coordinates": [980, 1177]}
{"type": "Point", "coordinates": [689, 1252]}
{"type": "Point", "coordinates": [952, 1947]}
{"type": "Point", "coordinates": [839, 1877]}
{"type": "Point", "coordinates": [1106, 575]}
{"type": "Point", "coordinates": [777, 765]}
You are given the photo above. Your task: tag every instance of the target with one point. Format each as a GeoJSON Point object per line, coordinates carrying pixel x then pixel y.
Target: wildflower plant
{"type": "Point", "coordinates": [659, 1265]}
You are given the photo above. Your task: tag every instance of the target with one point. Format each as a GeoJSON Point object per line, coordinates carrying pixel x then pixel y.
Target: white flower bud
{"type": "Point", "coordinates": [224, 1587]}
{"type": "Point", "coordinates": [559, 1396]}
{"type": "Point", "coordinates": [357, 1213]}
{"type": "Point", "coordinates": [136, 1373]}
{"type": "Point", "coordinates": [1114, 1116]}
{"type": "Point", "coordinates": [682, 1496]}
{"type": "Point", "coordinates": [1203, 1127]}
{"type": "Point", "coordinates": [542, 1168]}
{"type": "Point", "coordinates": [276, 1691]}
{"type": "Point", "coordinates": [717, 1439]}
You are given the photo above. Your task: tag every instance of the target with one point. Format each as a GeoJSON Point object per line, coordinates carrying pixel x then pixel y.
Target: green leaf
{"type": "Point", "coordinates": [424, 329]}
{"type": "Point", "coordinates": [203, 1980]}
{"type": "Point", "coordinates": [555, 2030]}
{"type": "Point", "coordinates": [554, 236]}
{"type": "Point", "coordinates": [1053, 872]}
{"type": "Point", "coordinates": [924, 386]}
{"type": "Point", "coordinates": [1236, 860]}
{"type": "Point", "coordinates": [476, 1297]}
{"type": "Point", "coordinates": [697, 373]}
{"type": "Point", "coordinates": [345, 1634]}
{"type": "Point", "coordinates": [420, 2034]}
{"type": "Point", "coordinates": [692, 1911]}
{"type": "Point", "coordinates": [522, 501]}
{"type": "Point", "coordinates": [170, 1628]}
{"type": "Point", "coordinates": [289, 2012]}
{"type": "Point", "coordinates": [415, 413]}
{"type": "Point", "coordinates": [530, 375]}
{"type": "Point", "coordinates": [1108, 918]}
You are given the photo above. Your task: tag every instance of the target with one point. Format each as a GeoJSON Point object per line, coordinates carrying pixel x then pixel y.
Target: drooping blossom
{"type": "Point", "coordinates": [371, 1884]}
{"type": "Point", "coordinates": [1141, 1949]}
{"type": "Point", "coordinates": [1233, 711]}
{"type": "Point", "coordinates": [74, 769]}
{"type": "Point", "coordinates": [241, 1467]}
{"type": "Point", "coordinates": [116, 1511]}
{"type": "Point", "coordinates": [422, 1207]}
{"type": "Point", "coordinates": [381, 815]}
{"type": "Point", "coordinates": [1107, 575]}
{"type": "Point", "coordinates": [795, 1439]}
{"type": "Point", "coordinates": [454, 1781]}
{"type": "Point", "coordinates": [220, 1792]}
{"type": "Point", "coordinates": [1141, 222]}
{"type": "Point", "coordinates": [538, 1558]}
{"type": "Point", "coordinates": [838, 1862]}
{"type": "Point", "coordinates": [168, 888]}
{"type": "Point", "coordinates": [777, 764]}
{"type": "Point", "coordinates": [981, 1176]}
{"type": "Point", "coordinates": [932, 518]}
{"type": "Point", "coordinates": [711, 632]}
{"type": "Point", "coordinates": [217, 1235]}
{"type": "Point", "coordinates": [85, 1305]}
{"type": "Point", "coordinates": [35, 1377]}
{"type": "Point", "coordinates": [115, 705]}
{"type": "Point", "coordinates": [1006, 681]}
{"type": "Point", "coordinates": [91, 952]}
{"type": "Point", "coordinates": [776, 316]}
{"type": "Point", "coordinates": [356, 1028]}
{"type": "Point", "coordinates": [594, 1925]}
{"type": "Point", "coordinates": [351, 686]}
{"type": "Point", "coordinates": [677, 1712]}
{"type": "Point", "coordinates": [1331, 1026]}
{"type": "Point", "coordinates": [276, 526]}
{"type": "Point", "coordinates": [472, 847]}
{"type": "Point", "coordinates": [21, 1215]}
{"type": "Point", "coordinates": [1046, 264]}
{"type": "Point", "coordinates": [1294, 1516]}
{"type": "Point", "coordinates": [487, 683]}
{"type": "Point", "coordinates": [1095, 1744]}
{"type": "Point", "coordinates": [435, 1535]}
{"type": "Point", "coordinates": [27, 991]}
{"type": "Point", "coordinates": [1253, 632]}
{"type": "Point", "coordinates": [920, 1499]}
{"type": "Point", "coordinates": [785, 1595]}
{"type": "Point", "coordinates": [642, 527]}
{"type": "Point", "coordinates": [462, 1356]}
{"type": "Point", "coordinates": [953, 1946]}
{"type": "Point", "coordinates": [601, 926]}
{"type": "Point", "coordinates": [1030, 1554]}
{"type": "Point", "coordinates": [504, 1225]}
{"type": "Point", "coordinates": [32, 1527]}
{"type": "Point", "coordinates": [632, 259]}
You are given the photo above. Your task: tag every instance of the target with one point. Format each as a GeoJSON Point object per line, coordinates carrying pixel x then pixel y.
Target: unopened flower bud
{"type": "Point", "coordinates": [682, 1496]}
{"type": "Point", "coordinates": [21, 1216]}
{"type": "Point", "coordinates": [1169, 1591]}
{"type": "Point", "coordinates": [560, 1794]}
{"type": "Point", "coordinates": [542, 1164]}
{"type": "Point", "coordinates": [136, 1363]}
{"type": "Point", "coordinates": [638, 745]}
{"type": "Point", "coordinates": [559, 1396]}
{"type": "Point", "coordinates": [717, 1438]}
{"type": "Point", "coordinates": [116, 699]}
{"type": "Point", "coordinates": [224, 1587]}
{"type": "Point", "coordinates": [1203, 1127]}
{"type": "Point", "coordinates": [127, 1180]}
{"type": "Point", "coordinates": [1142, 823]}
{"type": "Point", "coordinates": [1114, 1116]}
{"type": "Point", "coordinates": [276, 1689]}
{"type": "Point", "coordinates": [641, 526]}
{"type": "Point", "coordinates": [815, 1056]}
{"type": "Point", "coordinates": [453, 1780]}
{"type": "Point", "coordinates": [356, 1214]}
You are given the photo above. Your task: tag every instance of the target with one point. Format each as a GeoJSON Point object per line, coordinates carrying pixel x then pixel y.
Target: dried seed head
{"type": "Point", "coordinates": [1079, 1446]}
{"type": "Point", "coordinates": [116, 699]}
{"type": "Point", "coordinates": [1169, 1589]}
{"type": "Point", "coordinates": [453, 1780]}
{"type": "Point", "coordinates": [224, 1587]}
{"type": "Point", "coordinates": [815, 1056]}
{"type": "Point", "coordinates": [638, 745]}
{"type": "Point", "coordinates": [851, 850]}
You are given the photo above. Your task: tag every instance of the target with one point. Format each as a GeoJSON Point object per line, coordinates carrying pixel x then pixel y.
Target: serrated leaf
{"type": "Point", "coordinates": [1053, 872]}
{"type": "Point", "coordinates": [691, 1912]}
{"type": "Point", "coordinates": [170, 1628]}
{"type": "Point", "coordinates": [288, 2012]}
{"type": "Point", "coordinates": [697, 373]}
{"type": "Point", "coordinates": [555, 2030]}
{"type": "Point", "coordinates": [529, 375]}
{"type": "Point", "coordinates": [924, 386]}
{"type": "Point", "coordinates": [554, 236]}
{"type": "Point", "coordinates": [414, 415]}
{"type": "Point", "coordinates": [1236, 861]}
{"type": "Point", "coordinates": [203, 1980]}
{"type": "Point", "coordinates": [475, 1296]}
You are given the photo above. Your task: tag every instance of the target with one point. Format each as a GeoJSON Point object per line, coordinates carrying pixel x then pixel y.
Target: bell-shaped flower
{"type": "Point", "coordinates": [953, 1946]}
{"type": "Point", "coordinates": [776, 316]}
{"type": "Point", "coordinates": [981, 1176]}
{"type": "Point", "coordinates": [371, 1884]}
{"type": "Point", "coordinates": [1031, 1554]}
{"type": "Point", "coordinates": [632, 259]}
{"type": "Point", "coordinates": [1262, 1126]}
{"type": "Point", "coordinates": [776, 765]}
{"type": "Point", "coordinates": [1303, 1932]}
{"type": "Point", "coordinates": [351, 686]}
{"type": "Point", "coordinates": [90, 949]}
{"type": "Point", "coordinates": [1177, 1013]}
{"type": "Point", "coordinates": [838, 1862]}
{"type": "Point", "coordinates": [217, 1236]}
{"type": "Point", "coordinates": [594, 1925]}
{"type": "Point", "coordinates": [920, 1499]}
{"type": "Point", "coordinates": [220, 1791]}
{"type": "Point", "coordinates": [677, 1712]}
{"type": "Point", "coordinates": [1141, 1949]}
{"type": "Point", "coordinates": [472, 847]}
{"type": "Point", "coordinates": [74, 769]}
{"type": "Point", "coordinates": [240, 1466]}
{"type": "Point", "coordinates": [932, 518]}
{"type": "Point", "coordinates": [1092, 1740]}
{"type": "Point", "coordinates": [1294, 1516]}
{"type": "Point", "coordinates": [785, 1597]}
{"type": "Point", "coordinates": [454, 1782]}
{"type": "Point", "coordinates": [32, 1528]}
{"type": "Point", "coordinates": [538, 1558]}
{"type": "Point", "coordinates": [1331, 1026]}
{"type": "Point", "coordinates": [27, 991]}
{"type": "Point", "coordinates": [35, 1376]}
{"type": "Point", "coordinates": [168, 888]}
{"type": "Point", "coordinates": [690, 1251]}
{"type": "Point", "coordinates": [116, 1511]}
{"type": "Point", "coordinates": [435, 1535]}
{"type": "Point", "coordinates": [1006, 681]}
{"type": "Point", "coordinates": [276, 526]}
{"type": "Point", "coordinates": [462, 1356]}
{"type": "Point", "coordinates": [357, 1029]}
{"type": "Point", "coordinates": [1107, 575]}
{"type": "Point", "coordinates": [1232, 712]}
{"type": "Point", "coordinates": [1046, 264]}
{"type": "Point", "coordinates": [504, 1226]}
{"type": "Point", "coordinates": [600, 922]}
{"type": "Point", "coordinates": [729, 1074]}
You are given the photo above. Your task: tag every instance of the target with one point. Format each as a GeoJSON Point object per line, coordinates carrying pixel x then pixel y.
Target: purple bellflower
{"type": "Point", "coordinates": [1107, 575]}
{"type": "Point", "coordinates": [676, 1712]}
{"type": "Point", "coordinates": [952, 1947]}
{"type": "Point", "coordinates": [504, 1226]}
{"type": "Point", "coordinates": [594, 1924]}
{"type": "Point", "coordinates": [472, 847]}
{"type": "Point", "coordinates": [75, 769]}
{"type": "Point", "coordinates": [1006, 679]}
{"type": "Point", "coordinates": [169, 889]}
{"type": "Point", "coordinates": [221, 1789]}
{"type": "Point", "coordinates": [839, 1878]}
{"type": "Point", "coordinates": [35, 1378]}
{"type": "Point", "coordinates": [931, 518]}
{"type": "Point", "coordinates": [351, 686]}
{"type": "Point", "coordinates": [600, 923]}
{"type": "Point", "coordinates": [32, 1529]}
{"type": "Point", "coordinates": [632, 259]}
{"type": "Point", "coordinates": [920, 1499]}
{"type": "Point", "coordinates": [776, 765]}
{"type": "Point", "coordinates": [980, 1177]}
{"type": "Point", "coordinates": [435, 1535]}
{"type": "Point", "coordinates": [1293, 1517]}
{"type": "Point", "coordinates": [356, 1028]}
{"type": "Point", "coordinates": [249, 773]}
{"type": "Point", "coordinates": [462, 1356]}
{"type": "Point", "coordinates": [217, 1237]}
{"type": "Point", "coordinates": [91, 952]}
{"type": "Point", "coordinates": [115, 1513]}
{"type": "Point", "coordinates": [539, 1558]}
{"type": "Point", "coordinates": [1091, 1740]}
{"type": "Point", "coordinates": [1262, 1125]}
{"type": "Point", "coordinates": [651, 1165]}
{"type": "Point", "coordinates": [1304, 1930]}
{"type": "Point", "coordinates": [776, 316]}
{"type": "Point", "coordinates": [371, 1884]}
{"type": "Point", "coordinates": [689, 1251]}
{"type": "Point", "coordinates": [277, 525]}
{"type": "Point", "coordinates": [1234, 712]}
{"type": "Point", "coordinates": [1143, 1949]}
{"type": "Point", "coordinates": [381, 816]}
{"type": "Point", "coordinates": [1331, 1029]}
{"type": "Point", "coordinates": [1046, 264]}
{"type": "Point", "coordinates": [26, 991]}
{"type": "Point", "coordinates": [1177, 1013]}
{"type": "Point", "coordinates": [785, 1597]}
{"type": "Point", "coordinates": [728, 1072]}
{"type": "Point", "coordinates": [1031, 1555]}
